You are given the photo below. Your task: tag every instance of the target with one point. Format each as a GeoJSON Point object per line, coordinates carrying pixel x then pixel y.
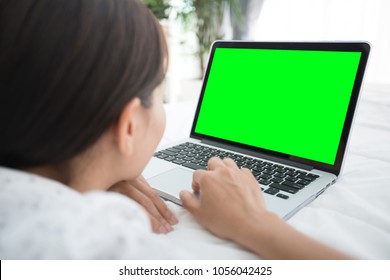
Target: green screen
{"type": "Point", "coordinates": [289, 101]}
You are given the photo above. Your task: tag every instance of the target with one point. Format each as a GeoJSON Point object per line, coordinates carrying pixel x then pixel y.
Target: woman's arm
{"type": "Point", "coordinates": [231, 206]}
{"type": "Point", "coordinates": [139, 190]}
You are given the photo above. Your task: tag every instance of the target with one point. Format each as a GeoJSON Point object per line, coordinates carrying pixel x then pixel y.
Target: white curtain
{"type": "Point", "coordinates": [330, 20]}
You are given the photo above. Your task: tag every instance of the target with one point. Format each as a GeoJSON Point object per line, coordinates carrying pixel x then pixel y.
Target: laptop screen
{"type": "Point", "coordinates": [292, 102]}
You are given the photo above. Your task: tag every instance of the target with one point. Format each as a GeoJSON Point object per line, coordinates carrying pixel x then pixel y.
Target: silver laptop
{"type": "Point", "coordinates": [282, 109]}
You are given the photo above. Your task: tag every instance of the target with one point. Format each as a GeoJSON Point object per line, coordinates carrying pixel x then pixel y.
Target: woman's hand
{"type": "Point", "coordinates": [140, 191]}
{"type": "Point", "coordinates": [230, 198]}
{"type": "Point", "coordinates": [231, 206]}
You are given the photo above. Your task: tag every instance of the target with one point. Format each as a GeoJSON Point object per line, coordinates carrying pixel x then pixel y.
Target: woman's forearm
{"type": "Point", "coordinates": [278, 240]}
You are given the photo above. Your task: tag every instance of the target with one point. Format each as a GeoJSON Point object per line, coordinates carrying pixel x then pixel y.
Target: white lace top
{"type": "Point", "coordinates": [44, 219]}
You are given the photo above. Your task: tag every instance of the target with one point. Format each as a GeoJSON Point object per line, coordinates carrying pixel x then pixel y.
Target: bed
{"type": "Point", "coordinates": [353, 215]}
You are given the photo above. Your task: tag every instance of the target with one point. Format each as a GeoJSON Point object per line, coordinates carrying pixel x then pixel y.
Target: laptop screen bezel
{"type": "Point", "coordinates": [362, 47]}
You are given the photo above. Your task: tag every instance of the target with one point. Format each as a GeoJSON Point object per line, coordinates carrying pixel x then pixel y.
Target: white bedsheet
{"type": "Point", "coordinates": [353, 215]}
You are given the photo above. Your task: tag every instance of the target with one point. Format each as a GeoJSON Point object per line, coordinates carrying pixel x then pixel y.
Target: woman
{"type": "Point", "coordinates": [81, 114]}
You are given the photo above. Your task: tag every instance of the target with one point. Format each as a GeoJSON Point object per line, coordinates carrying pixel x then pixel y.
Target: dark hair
{"type": "Point", "coordinates": [67, 69]}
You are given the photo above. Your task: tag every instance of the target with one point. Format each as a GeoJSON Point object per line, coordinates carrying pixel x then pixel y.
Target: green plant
{"type": "Point", "coordinates": [205, 18]}
{"type": "Point", "coordinates": [160, 8]}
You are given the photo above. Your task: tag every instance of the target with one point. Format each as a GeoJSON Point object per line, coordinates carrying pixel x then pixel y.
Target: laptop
{"type": "Point", "coordinates": [282, 109]}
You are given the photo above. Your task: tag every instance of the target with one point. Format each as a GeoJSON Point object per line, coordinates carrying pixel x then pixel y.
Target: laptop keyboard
{"type": "Point", "coordinates": [275, 179]}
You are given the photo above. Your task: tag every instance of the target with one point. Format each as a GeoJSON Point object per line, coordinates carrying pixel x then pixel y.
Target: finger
{"type": "Point", "coordinates": [247, 172]}
{"type": "Point", "coordinates": [149, 206]}
{"type": "Point", "coordinates": [157, 227]}
{"type": "Point", "coordinates": [214, 162]}
{"type": "Point", "coordinates": [251, 177]}
{"type": "Point", "coordinates": [195, 187]}
{"type": "Point", "coordinates": [161, 207]}
{"type": "Point", "coordinates": [230, 163]}
{"type": "Point", "coordinates": [190, 202]}
{"type": "Point", "coordinates": [197, 178]}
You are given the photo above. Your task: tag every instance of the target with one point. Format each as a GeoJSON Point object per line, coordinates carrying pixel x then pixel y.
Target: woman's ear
{"type": "Point", "coordinates": [127, 127]}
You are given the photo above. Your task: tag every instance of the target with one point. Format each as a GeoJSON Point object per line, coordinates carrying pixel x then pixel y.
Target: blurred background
{"type": "Point", "coordinates": [192, 25]}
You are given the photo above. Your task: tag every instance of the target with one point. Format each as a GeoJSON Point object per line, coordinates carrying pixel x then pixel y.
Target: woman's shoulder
{"type": "Point", "coordinates": [40, 218]}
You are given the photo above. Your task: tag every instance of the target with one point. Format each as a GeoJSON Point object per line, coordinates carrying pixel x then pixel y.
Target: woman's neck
{"type": "Point", "coordinates": [77, 175]}
{"type": "Point", "coordinates": [90, 170]}
{"type": "Point", "coordinates": [56, 173]}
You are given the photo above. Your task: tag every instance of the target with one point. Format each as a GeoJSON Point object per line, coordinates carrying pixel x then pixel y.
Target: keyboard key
{"type": "Point", "coordinates": [279, 170]}
{"type": "Point", "coordinates": [282, 196]}
{"type": "Point", "coordinates": [279, 175]}
{"type": "Point", "coordinates": [170, 153]}
{"type": "Point", "coordinates": [194, 166]}
{"type": "Point", "coordinates": [291, 173]}
{"type": "Point", "coordinates": [162, 156]}
{"type": "Point", "coordinates": [271, 191]}
{"type": "Point", "coordinates": [180, 156]}
{"type": "Point", "coordinates": [303, 182]}
{"type": "Point", "coordinates": [264, 182]}
{"type": "Point", "coordinates": [257, 161]}
{"type": "Point", "coordinates": [273, 167]}
{"type": "Point", "coordinates": [174, 150]}
{"type": "Point", "coordinates": [182, 146]}
{"type": "Point", "coordinates": [246, 165]}
{"type": "Point", "coordinates": [264, 176]}
{"type": "Point", "coordinates": [276, 180]}
{"type": "Point", "coordinates": [283, 188]}
{"type": "Point", "coordinates": [293, 185]}
{"type": "Point", "coordinates": [257, 169]}
{"type": "Point", "coordinates": [307, 178]}
{"type": "Point", "coordinates": [178, 161]}
{"type": "Point", "coordinates": [268, 171]}
{"type": "Point", "coordinates": [291, 179]}
{"type": "Point", "coordinates": [315, 176]}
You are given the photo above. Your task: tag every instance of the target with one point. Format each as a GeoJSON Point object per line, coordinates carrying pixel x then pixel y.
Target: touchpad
{"type": "Point", "coordinates": [169, 184]}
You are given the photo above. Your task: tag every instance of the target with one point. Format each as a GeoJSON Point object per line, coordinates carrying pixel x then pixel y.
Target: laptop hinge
{"type": "Point", "coordinates": [257, 154]}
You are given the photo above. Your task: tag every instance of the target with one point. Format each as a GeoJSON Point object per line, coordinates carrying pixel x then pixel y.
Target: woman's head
{"type": "Point", "coordinates": [68, 70]}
